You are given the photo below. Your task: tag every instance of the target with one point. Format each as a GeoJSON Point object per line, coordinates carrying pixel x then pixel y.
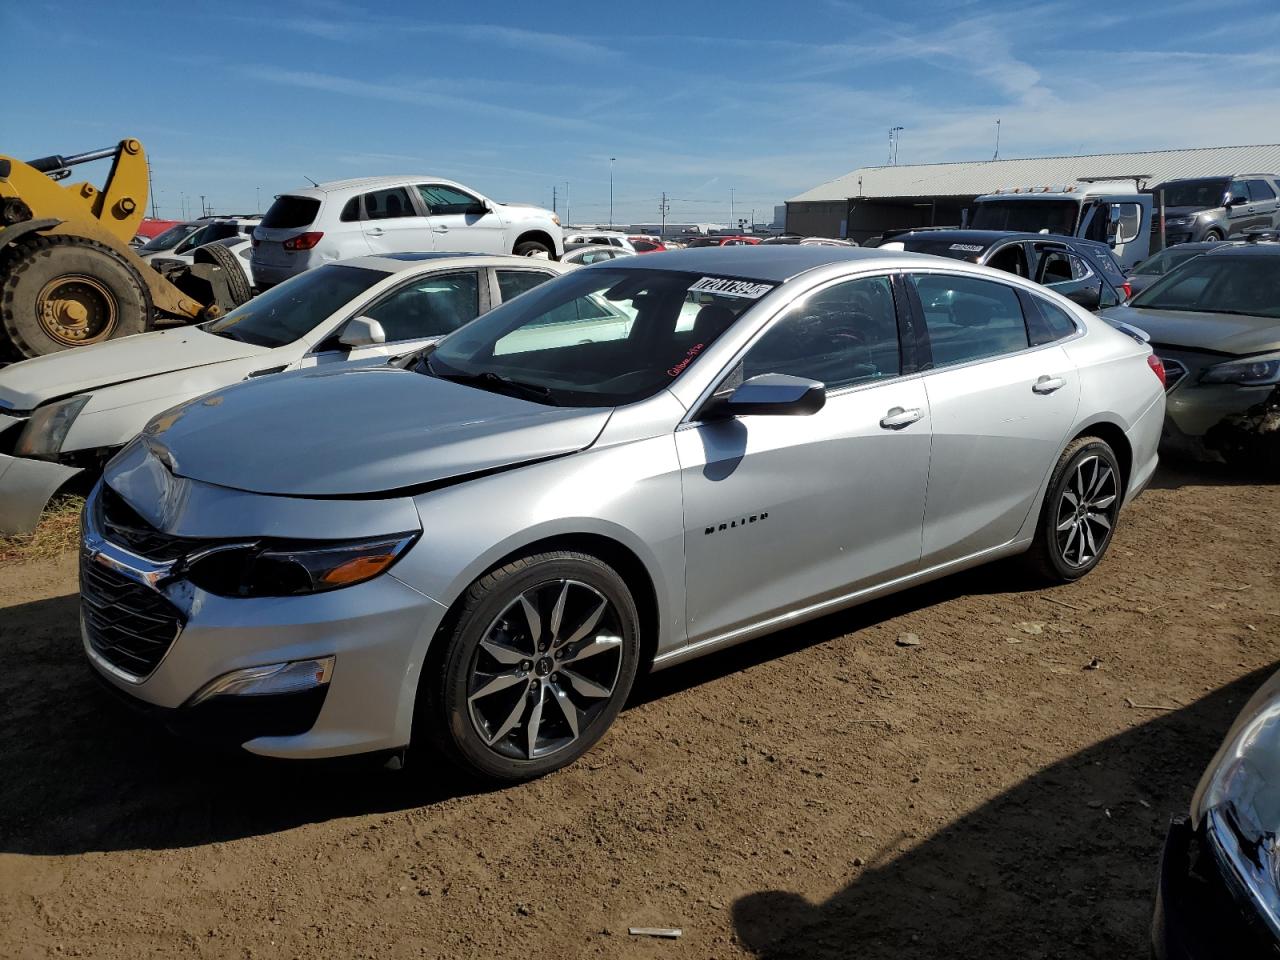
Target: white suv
{"type": "Point", "coordinates": [607, 238]}
{"type": "Point", "coordinates": [387, 215]}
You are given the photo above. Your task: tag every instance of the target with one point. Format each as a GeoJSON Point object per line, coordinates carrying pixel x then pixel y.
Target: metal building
{"type": "Point", "coordinates": [870, 200]}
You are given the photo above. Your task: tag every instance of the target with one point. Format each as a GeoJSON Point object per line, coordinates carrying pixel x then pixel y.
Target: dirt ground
{"type": "Point", "coordinates": [823, 792]}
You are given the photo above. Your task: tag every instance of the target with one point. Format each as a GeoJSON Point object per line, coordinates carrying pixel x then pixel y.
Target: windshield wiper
{"type": "Point", "coordinates": [487, 379]}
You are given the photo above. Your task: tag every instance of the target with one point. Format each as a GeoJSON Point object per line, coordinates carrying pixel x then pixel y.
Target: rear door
{"type": "Point", "coordinates": [1262, 197]}
{"type": "Point", "coordinates": [393, 223]}
{"type": "Point", "coordinates": [460, 221]}
{"type": "Point", "coordinates": [1001, 409]}
{"type": "Point", "coordinates": [1064, 272]}
{"type": "Point", "coordinates": [511, 282]}
{"type": "Point", "coordinates": [1240, 215]}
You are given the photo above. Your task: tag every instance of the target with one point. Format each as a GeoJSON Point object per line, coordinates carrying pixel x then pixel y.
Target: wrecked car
{"type": "Point", "coordinates": [66, 414]}
{"type": "Point", "coordinates": [1215, 323]}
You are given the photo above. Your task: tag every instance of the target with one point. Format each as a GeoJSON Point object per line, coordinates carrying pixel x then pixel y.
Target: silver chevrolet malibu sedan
{"type": "Point", "coordinates": [479, 546]}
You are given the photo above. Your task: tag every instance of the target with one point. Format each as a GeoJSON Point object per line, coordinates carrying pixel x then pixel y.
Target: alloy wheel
{"type": "Point", "coordinates": [545, 669]}
{"type": "Point", "coordinates": [1086, 511]}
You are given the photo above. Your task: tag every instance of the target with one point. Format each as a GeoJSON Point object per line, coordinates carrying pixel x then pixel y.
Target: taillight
{"type": "Point", "coordinates": [303, 241]}
{"type": "Point", "coordinates": [256, 241]}
{"type": "Point", "coordinates": [1157, 367]}
{"type": "Point", "coordinates": [1127, 287]}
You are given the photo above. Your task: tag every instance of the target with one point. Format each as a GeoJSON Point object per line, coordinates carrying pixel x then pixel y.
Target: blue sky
{"type": "Point", "coordinates": [764, 99]}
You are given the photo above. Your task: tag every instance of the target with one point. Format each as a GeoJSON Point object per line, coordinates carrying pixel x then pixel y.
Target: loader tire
{"type": "Point", "coordinates": [63, 291]}
{"type": "Point", "coordinates": [238, 286]}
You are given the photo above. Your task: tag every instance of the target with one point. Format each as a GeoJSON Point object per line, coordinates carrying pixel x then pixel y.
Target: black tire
{"type": "Point", "coordinates": [238, 285]}
{"type": "Point", "coordinates": [1213, 236]}
{"type": "Point", "coordinates": [450, 711]}
{"type": "Point", "coordinates": [117, 299]}
{"type": "Point", "coordinates": [1055, 557]}
{"type": "Point", "coordinates": [533, 248]}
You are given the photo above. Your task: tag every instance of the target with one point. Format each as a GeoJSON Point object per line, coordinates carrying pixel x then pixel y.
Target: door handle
{"type": "Point", "coordinates": [1048, 384]}
{"type": "Point", "coordinates": [443, 228]}
{"type": "Point", "coordinates": [374, 231]}
{"type": "Point", "coordinates": [897, 418]}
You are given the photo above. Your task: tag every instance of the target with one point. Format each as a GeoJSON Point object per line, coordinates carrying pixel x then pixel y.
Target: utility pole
{"type": "Point", "coordinates": [895, 135]}
{"type": "Point", "coordinates": [151, 185]}
{"type": "Point", "coordinates": [611, 159]}
{"type": "Point", "coordinates": [203, 212]}
{"type": "Point", "coordinates": [554, 209]}
{"type": "Point", "coordinates": [732, 221]}
{"type": "Point", "coordinates": [663, 210]}
{"type": "Point", "coordinates": [257, 194]}
{"type": "Point", "coordinates": [567, 219]}
{"type": "Point", "coordinates": [996, 155]}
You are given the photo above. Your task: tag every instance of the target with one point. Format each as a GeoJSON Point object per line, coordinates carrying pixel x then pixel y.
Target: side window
{"type": "Point", "coordinates": [1261, 190]}
{"type": "Point", "coordinates": [969, 319]}
{"type": "Point", "coordinates": [842, 335]}
{"type": "Point", "coordinates": [1238, 191]}
{"type": "Point", "coordinates": [1056, 267]}
{"type": "Point", "coordinates": [350, 211]}
{"type": "Point", "coordinates": [443, 201]}
{"type": "Point", "coordinates": [512, 283]}
{"type": "Point", "coordinates": [429, 306]}
{"type": "Point", "coordinates": [1127, 217]}
{"type": "Point", "coordinates": [388, 204]}
{"type": "Point", "coordinates": [1048, 322]}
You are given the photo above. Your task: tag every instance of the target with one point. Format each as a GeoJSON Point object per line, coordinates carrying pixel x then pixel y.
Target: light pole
{"type": "Point", "coordinates": [611, 159]}
{"type": "Point", "coordinates": [732, 221]}
{"type": "Point", "coordinates": [894, 133]}
{"type": "Point", "coordinates": [567, 220]}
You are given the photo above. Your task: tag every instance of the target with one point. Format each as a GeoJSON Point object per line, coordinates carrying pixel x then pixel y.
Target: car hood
{"type": "Point", "coordinates": [360, 431]}
{"type": "Point", "coordinates": [1171, 212]}
{"type": "Point", "coordinates": [26, 385]}
{"type": "Point", "coordinates": [1219, 332]}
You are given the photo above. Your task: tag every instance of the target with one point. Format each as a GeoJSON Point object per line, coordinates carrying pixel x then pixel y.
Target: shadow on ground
{"type": "Point", "coordinates": [1175, 472]}
{"type": "Point", "coordinates": [83, 773]}
{"type": "Point", "coordinates": [1062, 865]}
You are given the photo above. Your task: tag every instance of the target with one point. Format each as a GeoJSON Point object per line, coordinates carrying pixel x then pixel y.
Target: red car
{"type": "Point", "coordinates": [723, 241]}
{"type": "Point", "coordinates": [647, 245]}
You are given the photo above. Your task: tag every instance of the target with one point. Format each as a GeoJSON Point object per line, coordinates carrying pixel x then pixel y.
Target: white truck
{"type": "Point", "coordinates": [1113, 211]}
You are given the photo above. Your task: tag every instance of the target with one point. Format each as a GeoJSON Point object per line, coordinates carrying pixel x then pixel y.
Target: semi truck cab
{"type": "Point", "coordinates": [1113, 211]}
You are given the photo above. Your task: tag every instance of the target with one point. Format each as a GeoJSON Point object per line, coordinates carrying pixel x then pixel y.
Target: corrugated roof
{"type": "Point", "coordinates": [985, 176]}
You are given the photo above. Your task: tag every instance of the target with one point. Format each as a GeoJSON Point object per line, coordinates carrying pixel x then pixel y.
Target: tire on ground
{"type": "Point", "coordinates": [441, 715]}
{"type": "Point", "coordinates": [238, 285]}
{"type": "Point", "coordinates": [35, 262]}
{"type": "Point", "coordinates": [1044, 560]}
{"type": "Point", "coordinates": [533, 248]}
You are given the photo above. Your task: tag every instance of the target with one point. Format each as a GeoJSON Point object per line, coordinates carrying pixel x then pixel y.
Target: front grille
{"type": "Point", "coordinates": [123, 526]}
{"type": "Point", "coordinates": [128, 624]}
{"type": "Point", "coordinates": [1173, 372]}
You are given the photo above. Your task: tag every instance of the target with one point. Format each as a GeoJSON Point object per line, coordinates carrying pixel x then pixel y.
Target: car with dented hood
{"type": "Point", "coordinates": [63, 416]}
{"type": "Point", "coordinates": [476, 548]}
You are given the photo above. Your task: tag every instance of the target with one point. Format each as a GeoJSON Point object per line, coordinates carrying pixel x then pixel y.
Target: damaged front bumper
{"type": "Point", "coordinates": [26, 486]}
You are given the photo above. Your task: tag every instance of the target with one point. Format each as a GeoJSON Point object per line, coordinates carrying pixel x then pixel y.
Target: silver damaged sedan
{"type": "Point", "coordinates": [478, 547]}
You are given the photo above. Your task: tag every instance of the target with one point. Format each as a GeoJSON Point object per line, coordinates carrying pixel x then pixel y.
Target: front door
{"type": "Point", "coordinates": [781, 512]}
{"type": "Point", "coordinates": [1001, 411]}
{"type": "Point", "coordinates": [462, 222]}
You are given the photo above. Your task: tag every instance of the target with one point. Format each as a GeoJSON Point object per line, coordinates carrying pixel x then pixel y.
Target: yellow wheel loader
{"type": "Point", "coordinates": [68, 277]}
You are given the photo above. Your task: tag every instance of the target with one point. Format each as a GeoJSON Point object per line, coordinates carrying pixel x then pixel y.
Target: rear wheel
{"type": "Point", "coordinates": [63, 291]}
{"type": "Point", "coordinates": [533, 668]}
{"type": "Point", "coordinates": [1081, 507]}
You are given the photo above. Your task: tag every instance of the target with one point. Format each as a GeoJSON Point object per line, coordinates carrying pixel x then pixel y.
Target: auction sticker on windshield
{"type": "Point", "coordinates": [731, 288]}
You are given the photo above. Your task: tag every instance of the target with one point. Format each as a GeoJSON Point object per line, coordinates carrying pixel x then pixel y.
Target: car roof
{"type": "Point", "coordinates": [320, 191]}
{"type": "Point", "coordinates": [1261, 248]}
{"type": "Point", "coordinates": [396, 262]}
{"type": "Point", "coordinates": [758, 261]}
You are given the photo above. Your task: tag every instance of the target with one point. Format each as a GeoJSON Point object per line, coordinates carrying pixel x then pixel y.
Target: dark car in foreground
{"type": "Point", "coordinates": [1219, 882]}
{"type": "Point", "coordinates": [1081, 270]}
{"type": "Point", "coordinates": [1215, 323]}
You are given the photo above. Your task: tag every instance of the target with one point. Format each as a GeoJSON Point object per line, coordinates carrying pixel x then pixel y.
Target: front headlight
{"type": "Point", "coordinates": [1179, 221]}
{"type": "Point", "coordinates": [1260, 371]}
{"type": "Point", "coordinates": [555, 218]}
{"type": "Point", "coordinates": [43, 435]}
{"type": "Point", "coordinates": [275, 569]}
{"type": "Point", "coordinates": [1239, 802]}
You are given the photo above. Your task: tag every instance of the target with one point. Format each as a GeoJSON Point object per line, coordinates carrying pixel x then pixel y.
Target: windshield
{"type": "Point", "coordinates": [601, 336]}
{"type": "Point", "coordinates": [1202, 194]}
{"type": "Point", "coordinates": [171, 237]}
{"type": "Point", "coordinates": [1163, 262]}
{"type": "Point", "coordinates": [1028, 216]}
{"type": "Point", "coordinates": [286, 312]}
{"type": "Point", "coordinates": [1247, 284]}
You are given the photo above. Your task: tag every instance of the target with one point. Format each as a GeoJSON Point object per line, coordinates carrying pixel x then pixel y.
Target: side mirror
{"type": "Point", "coordinates": [772, 395]}
{"type": "Point", "coordinates": [362, 332]}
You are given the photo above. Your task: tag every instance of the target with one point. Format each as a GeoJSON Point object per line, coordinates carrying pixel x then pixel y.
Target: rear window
{"type": "Point", "coordinates": [288, 212]}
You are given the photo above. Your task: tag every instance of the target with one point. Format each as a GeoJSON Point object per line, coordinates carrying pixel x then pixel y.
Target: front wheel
{"type": "Point", "coordinates": [532, 248]}
{"type": "Point", "coordinates": [534, 667]}
{"type": "Point", "coordinates": [1080, 511]}
{"type": "Point", "coordinates": [1213, 236]}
